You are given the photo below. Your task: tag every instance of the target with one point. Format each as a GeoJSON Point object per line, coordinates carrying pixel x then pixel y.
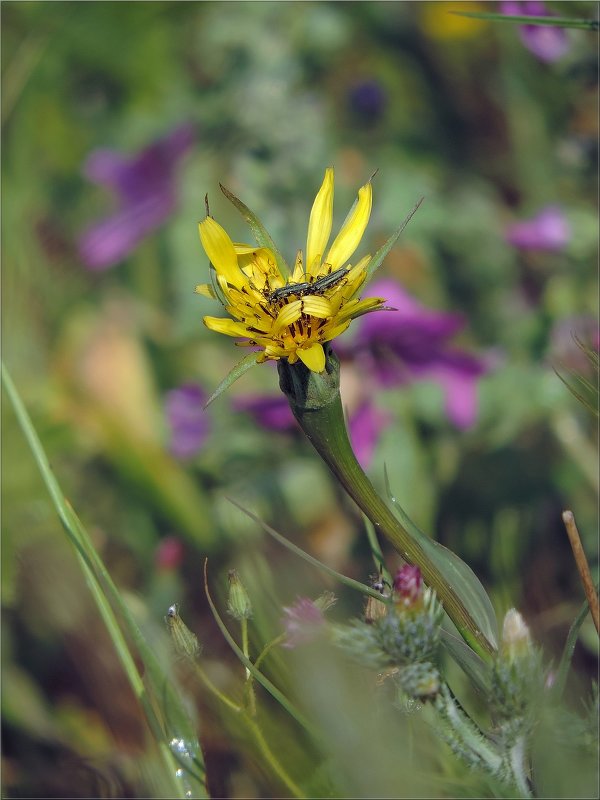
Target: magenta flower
{"type": "Point", "coordinates": [408, 584]}
{"type": "Point", "coordinates": [545, 42]}
{"type": "Point", "coordinates": [548, 231]}
{"type": "Point", "coordinates": [411, 343]}
{"type": "Point", "coordinates": [187, 420]}
{"type": "Point", "coordinates": [302, 622]}
{"type": "Point", "coordinates": [146, 191]}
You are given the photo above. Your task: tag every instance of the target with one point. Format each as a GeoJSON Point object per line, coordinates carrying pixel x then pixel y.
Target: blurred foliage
{"type": "Point", "coordinates": [460, 112]}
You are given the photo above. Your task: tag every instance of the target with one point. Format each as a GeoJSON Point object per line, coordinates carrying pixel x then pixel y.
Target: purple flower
{"type": "Point", "coordinates": [411, 343]}
{"type": "Point", "coordinates": [302, 622]}
{"type": "Point", "coordinates": [365, 428]}
{"type": "Point", "coordinates": [146, 192]}
{"type": "Point", "coordinates": [547, 43]}
{"type": "Point", "coordinates": [368, 99]}
{"type": "Point", "coordinates": [187, 419]}
{"type": "Point", "coordinates": [270, 411]}
{"type": "Point", "coordinates": [548, 231]}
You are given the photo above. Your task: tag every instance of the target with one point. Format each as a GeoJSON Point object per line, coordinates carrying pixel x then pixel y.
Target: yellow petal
{"type": "Point", "coordinates": [352, 230]}
{"type": "Point", "coordinates": [317, 307]}
{"type": "Point", "coordinates": [298, 273]}
{"type": "Point", "coordinates": [287, 315]}
{"type": "Point", "coordinates": [313, 357]}
{"type": "Point", "coordinates": [227, 326]}
{"type": "Point", "coordinates": [321, 218]}
{"type": "Point", "coordinates": [206, 290]}
{"type": "Point", "coordinates": [356, 308]}
{"type": "Point", "coordinates": [220, 251]}
{"type": "Point", "coordinates": [333, 333]}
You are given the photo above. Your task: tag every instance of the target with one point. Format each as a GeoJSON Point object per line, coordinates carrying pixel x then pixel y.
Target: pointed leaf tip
{"type": "Point", "coordinates": [236, 372]}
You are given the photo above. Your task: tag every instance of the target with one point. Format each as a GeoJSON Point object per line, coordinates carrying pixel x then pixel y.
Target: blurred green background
{"type": "Point", "coordinates": [456, 110]}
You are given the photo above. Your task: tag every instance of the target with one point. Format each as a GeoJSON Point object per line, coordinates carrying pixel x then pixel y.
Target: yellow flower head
{"type": "Point", "coordinates": [292, 317]}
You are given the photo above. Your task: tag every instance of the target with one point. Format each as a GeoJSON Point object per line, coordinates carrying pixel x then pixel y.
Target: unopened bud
{"type": "Point", "coordinates": [185, 642]}
{"type": "Point", "coordinates": [239, 604]}
{"type": "Point", "coordinates": [408, 585]}
{"type": "Point", "coordinates": [516, 639]}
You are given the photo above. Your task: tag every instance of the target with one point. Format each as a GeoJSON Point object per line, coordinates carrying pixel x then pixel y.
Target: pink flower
{"type": "Point", "coordinates": [547, 231]}
{"type": "Point", "coordinates": [169, 554]}
{"type": "Point", "coordinates": [545, 42]}
{"type": "Point", "coordinates": [302, 622]}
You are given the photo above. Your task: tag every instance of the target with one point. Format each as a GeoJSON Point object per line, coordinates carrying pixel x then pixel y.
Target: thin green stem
{"type": "Point", "coordinates": [271, 759]}
{"type": "Point", "coordinates": [268, 647]}
{"type": "Point", "coordinates": [518, 766]}
{"type": "Point", "coordinates": [227, 701]}
{"type": "Point", "coordinates": [258, 676]}
{"type": "Point", "coordinates": [249, 688]}
{"type": "Point", "coordinates": [268, 754]}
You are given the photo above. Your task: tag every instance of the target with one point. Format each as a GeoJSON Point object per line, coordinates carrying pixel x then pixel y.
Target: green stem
{"type": "Point", "coordinates": [316, 404]}
{"type": "Point", "coordinates": [248, 687]}
{"type": "Point", "coordinates": [268, 647]}
{"type": "Point", "coordinates": [272, 760]}
{"type": "Point", "coordinates": [518, 766]}
{"type": "Point", "coordinates": [268, 754]}
{"type": "Point", "coordinates": [475, 747]}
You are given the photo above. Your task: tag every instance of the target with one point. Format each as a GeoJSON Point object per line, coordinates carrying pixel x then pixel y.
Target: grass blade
{"type": "Point", "coordinates": [164, 711]}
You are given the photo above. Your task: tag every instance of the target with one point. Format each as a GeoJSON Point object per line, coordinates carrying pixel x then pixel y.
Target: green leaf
{"type": "Point", "coordinates": [236, 372]}
{"type": "Point", "coordinates": [474, 666]}
{"type": "Point", "coordinates": [459, 575]}
{"type": "Point", "coordinates": [350, 582]}
{"type": "Point", "coordinates": [556, 22]}
{"type": "Point", "coordinates": [565, 661]}
{"type": "Point", "coordinates": [167, 718]}
{"type": "Point", "coordinates": [258, 229]}
{"type": "Point", "coordinates": [381, 254]}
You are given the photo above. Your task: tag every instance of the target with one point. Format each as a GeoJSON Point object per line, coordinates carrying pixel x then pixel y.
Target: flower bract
{"type": "Point", "coordinates": [292, 316]}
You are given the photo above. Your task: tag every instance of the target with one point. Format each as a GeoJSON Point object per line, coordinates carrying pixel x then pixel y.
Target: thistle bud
{"type": "Point", "coordinates": [408, 586]}
{"type": "Point", "coordinates": [516, 639]}
{"type": "Point", "coordinates": [184, 641]}
{"type": "Point", "coordinates": [238, 603]}
{"type": "Point", "coordinates": [517, 675]}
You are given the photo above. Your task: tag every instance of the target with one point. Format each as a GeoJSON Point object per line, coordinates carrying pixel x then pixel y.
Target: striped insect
{"type": "Point", "coordinates": [311, 288]}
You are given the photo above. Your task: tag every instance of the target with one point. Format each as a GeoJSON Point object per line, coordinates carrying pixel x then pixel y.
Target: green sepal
{"type": "Point", "coordinates": [381, 254]}
{"type": "Point", "coordinates": [234, 373]}
{"type": "Point", "coordinates": [259, 231]}
{"type": "Point", "coordinates": [556, 22]}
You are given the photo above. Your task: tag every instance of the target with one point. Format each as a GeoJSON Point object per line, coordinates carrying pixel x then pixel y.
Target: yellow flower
{"type": "Point", "coordinates": [292, 317]}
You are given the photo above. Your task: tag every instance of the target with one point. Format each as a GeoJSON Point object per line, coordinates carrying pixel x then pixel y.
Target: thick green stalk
{"type": "Point", "coordinates": [316, 404]}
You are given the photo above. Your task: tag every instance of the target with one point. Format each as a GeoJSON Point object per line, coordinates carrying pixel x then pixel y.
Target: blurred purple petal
{"type": "Point", "coordinates": [145, 187]}
{"type": "Point", "coordinates": [187, 419]}
{"type": "Point", "coordinates": [548, 231]}
{"type": "Point", "coordinates": [365, 428]}
{"type": "Point", "coordinates": [411, 343]}
{"type": "Point", "coordinates": [302, 622]}
{"type": "Point", "coordinates": [270, 411]}
{"type": "Point", "coordinates": [111, 240]}
{"type": "Point", "coordinates": [546, 43]}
